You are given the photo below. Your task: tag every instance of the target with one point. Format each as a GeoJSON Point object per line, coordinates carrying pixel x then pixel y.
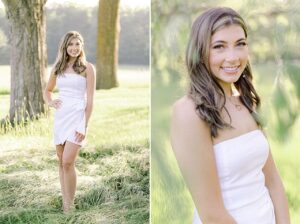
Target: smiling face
{"type": "Point", "coordinates": [228, 54]}
{"type": "Point", "coordinates": [74, 47]}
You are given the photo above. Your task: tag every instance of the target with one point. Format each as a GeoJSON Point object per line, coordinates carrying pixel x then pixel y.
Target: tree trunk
{"type": "Point", "coordinates": [28, 58]}
{"type": "Point", "coordinates": [107, 44]}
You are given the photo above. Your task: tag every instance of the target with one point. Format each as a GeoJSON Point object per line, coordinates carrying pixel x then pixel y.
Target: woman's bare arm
{"type": "Point", "coordinates": [277, 193]}
{"type": "Point", "coordinates": [91, 86]}
{"type": "Point", "coordinates": [48, 92]}
{"type": "Point", "coordinates": [193, 148]}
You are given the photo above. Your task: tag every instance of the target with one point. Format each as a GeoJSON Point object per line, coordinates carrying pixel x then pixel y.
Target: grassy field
{"type": "Point", "coordinates": [113, 166]}
{"type": "Point", "coordinates": [170, 199]}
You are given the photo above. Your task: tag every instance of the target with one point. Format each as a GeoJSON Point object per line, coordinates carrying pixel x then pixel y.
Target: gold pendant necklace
{"type": "Point", "coordinates": [237, 106]}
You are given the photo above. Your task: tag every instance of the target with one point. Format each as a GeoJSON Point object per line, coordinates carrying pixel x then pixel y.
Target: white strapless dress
{"type": "Point", "coordinates": [70, 117]}
{"type": "Point", "coordinates": [239, 163]}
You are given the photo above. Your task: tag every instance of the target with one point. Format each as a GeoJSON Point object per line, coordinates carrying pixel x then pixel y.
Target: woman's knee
{"type": "Point", "coordinates": [59, 153]}
{"type": "Point", "coordinates": [67, 164]}
{"type": "Point", "coordinates": [60, 157]}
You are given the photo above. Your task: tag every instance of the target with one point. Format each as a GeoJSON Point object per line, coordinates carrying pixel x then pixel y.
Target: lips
{"type": "Point", "coordinates": [230, 69]}
{"type": "Point", "coordinates": [74, 53]}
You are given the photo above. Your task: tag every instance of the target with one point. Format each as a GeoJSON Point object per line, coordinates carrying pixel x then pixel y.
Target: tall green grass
{"type": "Point", "coordinates": [113, 166]}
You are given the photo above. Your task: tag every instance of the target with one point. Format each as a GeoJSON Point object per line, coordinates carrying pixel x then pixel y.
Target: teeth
{"type": "Point", "coordinates": [230, 69]}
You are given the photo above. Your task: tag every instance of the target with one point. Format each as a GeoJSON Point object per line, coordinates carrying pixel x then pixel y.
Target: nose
{"type": "Point", "coordinates": [231, 55]}
{"type": "Point", "coordinates": [74, 47]}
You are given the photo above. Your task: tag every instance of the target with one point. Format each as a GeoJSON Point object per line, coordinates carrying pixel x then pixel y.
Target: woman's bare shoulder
{"type": "Point", "coordinates": [184, 113]}
{"type": "Point", "coordinates": [189, 133]}
{"type": "Point", "coordinates": [184, 106]}
{"type": "Point", "coordinates": [90, 69]}
{"type": "Point", "coordinates": [89, 66]}
{"type": "Point", "coordinates": [184, 101]}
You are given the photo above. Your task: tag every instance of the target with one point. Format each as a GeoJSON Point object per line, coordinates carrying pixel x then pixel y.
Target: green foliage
{"type": "Point", "coordinates": [273, 38]}
{"type": "Point", "coordinates": [134, 37]}
{"type": "Point", "coordinates": [293, 71]}
{"type": "Point", "coordinates": [134, 33]}
{"type": "Point", "coordinates": [4, 92]}
{"type": "Point", "coordinates": [286, 112]}
{"type": "Point", "coordinates": [3, 39]}
{"type": "Point", "coordinates": [23, 216]}
{"type": "Point", "coordinates": [113, 166]}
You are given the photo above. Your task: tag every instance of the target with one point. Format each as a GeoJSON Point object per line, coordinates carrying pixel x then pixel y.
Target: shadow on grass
{"type": "Point", "coordinates": [123, 198]}
{"type": "Point", "coordinates": [38, 216]}
{"type": "Point", "coordinates": [8, 190]}
{"type": "Point", "coordinates": [23, 216]}
{"type": "Point", "coordinates": [110, 150]}
{"type": "Point", "coordinates": [127, 196]}
{"type": "Point", "coordinates": [118, 188]}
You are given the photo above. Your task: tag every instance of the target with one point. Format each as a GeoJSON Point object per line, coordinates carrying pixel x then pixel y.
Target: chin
{"type": "Point", "coordinates": [231, 79]}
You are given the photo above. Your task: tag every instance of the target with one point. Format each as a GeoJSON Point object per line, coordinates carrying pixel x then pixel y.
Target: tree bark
{"type": "Point", "coordinates": [107, 44]}
{"type": "Point", "coordinates": [28, 58]}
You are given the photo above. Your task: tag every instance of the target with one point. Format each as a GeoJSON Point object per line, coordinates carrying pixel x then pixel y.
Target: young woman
{"type": "Point", "coordinates": [75, 79]}
{"type": "Point", "coordinates": [216, 135]}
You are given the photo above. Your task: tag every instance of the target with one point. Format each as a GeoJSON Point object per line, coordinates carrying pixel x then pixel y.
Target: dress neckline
{"type": "Point", "coordinates": [69, 73]}
{"type": "Point", "coordinates": [237, 137]}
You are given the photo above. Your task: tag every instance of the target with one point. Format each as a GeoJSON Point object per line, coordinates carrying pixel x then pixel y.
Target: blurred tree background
{"type": "Point", "coordinates": [133, 48]}
{"type": "Point", "coordinates": [107, 44]}
{"type": "Point", "coordinates": [275, 58]}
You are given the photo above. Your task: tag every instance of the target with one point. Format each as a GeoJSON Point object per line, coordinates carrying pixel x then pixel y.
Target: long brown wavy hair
{"type": "Point", "coordinates": [62, 58]}
{"type": "Point", "coordinates": [204, 89]}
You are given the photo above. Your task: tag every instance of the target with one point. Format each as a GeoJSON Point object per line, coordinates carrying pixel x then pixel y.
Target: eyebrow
{"type": "Point", "coordinates": [74, 42]}
{"type": "Point", "coordinates": [224, 42]}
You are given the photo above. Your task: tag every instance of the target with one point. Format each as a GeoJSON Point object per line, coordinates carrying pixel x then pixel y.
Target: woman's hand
{"type": "Point", "coordinates": [55, 103]}
{"type": "Point", "coordinates": [79, 137]}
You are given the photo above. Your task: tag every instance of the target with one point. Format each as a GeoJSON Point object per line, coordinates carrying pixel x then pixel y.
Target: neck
{"type": "Point", "coordinates": [71, 61]}
{"type": "Point", "coordinates": [227, 89]}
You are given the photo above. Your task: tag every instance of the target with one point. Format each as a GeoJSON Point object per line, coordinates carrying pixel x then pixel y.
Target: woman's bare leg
{"type": "Point", "coordinates": [59, 152]}
{"type": "Point", "coordinates": [68, 162]}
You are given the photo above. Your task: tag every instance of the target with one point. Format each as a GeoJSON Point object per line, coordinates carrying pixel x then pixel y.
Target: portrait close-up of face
{"type": "Point", "coordinates": [74, 47]}
{"type": "Point", "coordinates": [228, 53]}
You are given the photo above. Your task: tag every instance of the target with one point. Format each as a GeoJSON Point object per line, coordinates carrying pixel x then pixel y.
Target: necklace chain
{"type": "Point", "coordinates": [236, 105]}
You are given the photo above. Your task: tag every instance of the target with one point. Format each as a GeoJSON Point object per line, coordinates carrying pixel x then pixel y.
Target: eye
{"type": "Point", "coordinates": [241, 44]}
{"type": "Point", "coordinates": [218, 46]}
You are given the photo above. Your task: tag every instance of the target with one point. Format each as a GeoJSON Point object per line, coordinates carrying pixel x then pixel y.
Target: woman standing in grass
{"type": "Point", "coordinates": [216, 135]}
{"type": "Point", "coordinates": [75, 79]}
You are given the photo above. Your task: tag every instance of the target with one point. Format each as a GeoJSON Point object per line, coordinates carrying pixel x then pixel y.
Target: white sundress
{"type": "Point", "coordinates": [70, 117]}
{"type": "Point", "coordinates": [239, 164]}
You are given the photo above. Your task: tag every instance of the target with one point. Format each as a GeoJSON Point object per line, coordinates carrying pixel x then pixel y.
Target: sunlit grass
{"type": "Point", "coordinates": [113, 166]}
